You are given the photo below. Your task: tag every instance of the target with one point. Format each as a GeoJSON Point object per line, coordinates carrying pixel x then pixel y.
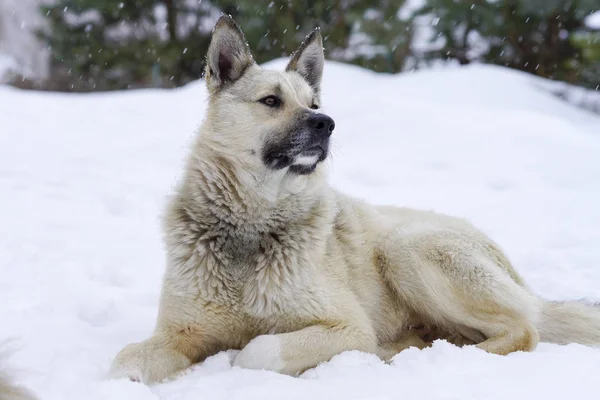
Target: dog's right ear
{"type": "Point", "coordinates": [228, 54]}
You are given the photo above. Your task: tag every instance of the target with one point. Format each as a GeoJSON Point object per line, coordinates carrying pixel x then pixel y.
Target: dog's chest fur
{"type": "Point", "coordinates": [261, 272]}
{"type": "Point", "coordinates": [280, 277]}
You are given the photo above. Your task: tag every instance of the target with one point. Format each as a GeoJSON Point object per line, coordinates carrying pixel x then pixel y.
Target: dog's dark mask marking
{"type": "Point", "coordinates": [309, 138]}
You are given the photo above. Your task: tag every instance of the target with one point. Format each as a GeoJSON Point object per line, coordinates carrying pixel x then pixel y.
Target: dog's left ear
{"type": "Point", "coordinates": [228, 54]}
{"type": "Point", "coordinates": [309, 59]}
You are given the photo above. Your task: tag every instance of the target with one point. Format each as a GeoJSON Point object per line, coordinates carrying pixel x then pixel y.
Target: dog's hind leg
{"type": "Point", "coordinates": [421, 337]}
{"type": "Point", "coordinates": [405, 341]}
{"type": "Point", "coordinates": [462, 289]}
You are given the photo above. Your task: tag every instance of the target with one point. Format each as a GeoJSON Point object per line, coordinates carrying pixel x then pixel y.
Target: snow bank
{"type": "Point", "coordinates": [84, 179]}
{"type": "Point", "coordinates": [593, 20]}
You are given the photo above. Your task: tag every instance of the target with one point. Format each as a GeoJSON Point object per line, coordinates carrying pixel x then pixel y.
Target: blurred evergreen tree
{"type": "Point", "coordinates": [390, 38]}
{"type": "Point", "coordinates": [114, 44]}
{"type": "Point", "coordinates": [531, 35]}
{"type": "Point", "coordinates": [588, 65]}
{"type": "Point", "coordinates": [355, 31]}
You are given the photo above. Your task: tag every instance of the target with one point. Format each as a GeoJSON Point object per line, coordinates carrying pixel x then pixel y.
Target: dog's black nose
{"type": "Point", "coordinates": [321, 124]}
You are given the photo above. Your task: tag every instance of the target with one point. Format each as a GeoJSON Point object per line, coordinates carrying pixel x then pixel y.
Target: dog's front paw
{"type": "Point", "coordinates": [127, 365]}
{"type": "Point", "coordinates": [147, 363]}
{"type": "Point", "coordinates": [123, 371]}
{"type": "Point", "coordinates": [263, 352]}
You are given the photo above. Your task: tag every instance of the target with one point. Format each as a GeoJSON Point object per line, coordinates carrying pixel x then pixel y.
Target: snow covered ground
{"type": "Point", "coordinates": [83, 179]}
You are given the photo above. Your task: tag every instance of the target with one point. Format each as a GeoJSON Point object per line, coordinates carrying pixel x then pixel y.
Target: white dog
{"type": "Point", "coordinates": [264, 256]}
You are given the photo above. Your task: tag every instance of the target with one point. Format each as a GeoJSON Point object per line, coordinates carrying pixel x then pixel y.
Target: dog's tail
{"type": "Point", "coordinates": [9, 390]}
{"type": "Point", "coordinates": [570, 322]}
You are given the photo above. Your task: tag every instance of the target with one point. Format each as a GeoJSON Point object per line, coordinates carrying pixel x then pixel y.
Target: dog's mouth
{"type": "Point", "coordinates": [306, 162]}
{"type": "Point", "coordinates": [302, 163]}
{"type": "Point", "coordinates": [310, 156]}
{"type": "Point", "coordinates": [316, 150]}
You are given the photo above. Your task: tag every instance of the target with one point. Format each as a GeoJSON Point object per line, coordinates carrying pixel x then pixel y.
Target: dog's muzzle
{"type": "Point", "coordinates": [305, 148]}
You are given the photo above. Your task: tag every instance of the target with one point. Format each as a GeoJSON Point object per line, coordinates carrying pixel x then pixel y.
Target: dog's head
{"type": "Point", "coordinates": [266, 120]}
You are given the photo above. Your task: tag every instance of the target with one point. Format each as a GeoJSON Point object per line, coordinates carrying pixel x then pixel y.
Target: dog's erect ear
{"type": "Point", "coordinates": [228, 54]}
{"type": "Point", "coordinates": [309, 59]}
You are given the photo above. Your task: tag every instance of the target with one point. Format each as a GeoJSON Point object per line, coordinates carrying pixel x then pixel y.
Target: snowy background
{"type": "Point", "coordinates": [20, 49]}
{"type": "Point", "coordinates": [84, 178]}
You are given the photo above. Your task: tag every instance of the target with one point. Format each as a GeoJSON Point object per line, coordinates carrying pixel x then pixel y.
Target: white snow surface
{"type": "Point", "coordinates": [84, 179]}
{"type": "Point", "coordinates": [593, 20]}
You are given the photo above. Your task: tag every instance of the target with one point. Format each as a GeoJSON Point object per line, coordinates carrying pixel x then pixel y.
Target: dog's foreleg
{"type": "Point", "coordinates": [294, 352]}
{"type": "Point", "coordinates": [155, 359]}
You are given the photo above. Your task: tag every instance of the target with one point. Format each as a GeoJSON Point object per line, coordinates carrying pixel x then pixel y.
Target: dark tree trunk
{"type": "Point", "coordinates": [172, 28]}
{"type": "Point", "coordinates": [171, 19]}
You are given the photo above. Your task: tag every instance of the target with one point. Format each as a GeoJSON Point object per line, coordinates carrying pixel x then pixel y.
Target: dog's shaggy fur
{"type": "Point", "coordinates": [264, 256]}
{"type": "Point", "coordinates": [8, 389]}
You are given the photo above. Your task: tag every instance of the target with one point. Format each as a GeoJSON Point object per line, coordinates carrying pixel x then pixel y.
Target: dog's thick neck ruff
{"type": "Point", "coordinates": [227, 190]}
{"type": "Point", "coordinates": [237, 214]}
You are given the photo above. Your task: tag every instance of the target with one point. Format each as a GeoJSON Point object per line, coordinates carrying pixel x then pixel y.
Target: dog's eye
{"type": "Point", "coordinates": [271, 101]}
{"type": "Point", "coordinates": [314, 107]}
